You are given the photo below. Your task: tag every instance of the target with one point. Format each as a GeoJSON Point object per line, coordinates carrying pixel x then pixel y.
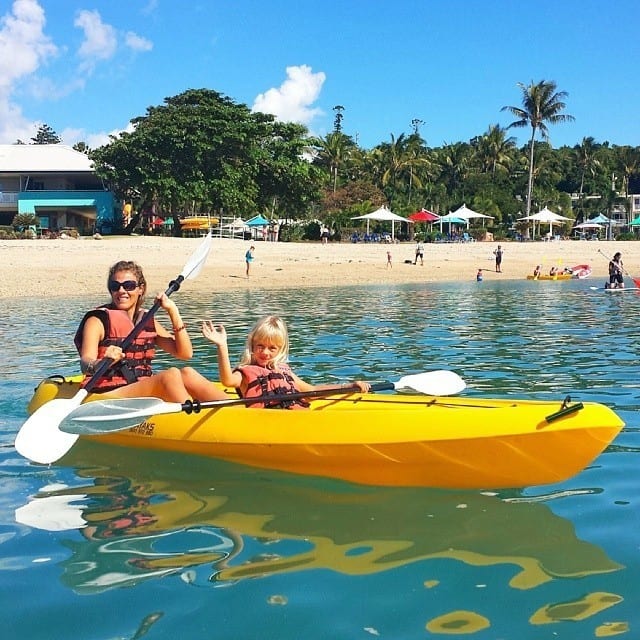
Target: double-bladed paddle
{"type": "Point", "coordinates": [40, 438]}
{"type": "Point", "coordinates": [117, 414]}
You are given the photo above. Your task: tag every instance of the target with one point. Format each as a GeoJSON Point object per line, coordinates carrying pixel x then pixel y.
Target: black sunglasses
{"type": "Point", "coordinates": [127, 285]}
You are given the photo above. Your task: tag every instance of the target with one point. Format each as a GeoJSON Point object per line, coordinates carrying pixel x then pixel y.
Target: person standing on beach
{"type": "Point", "coordinates": [498, 254]}
{"type": "Point", "coordinates": [419, 253]}
{"type": "Point", "coordinates": [389, 263]}
{"type": "Point", "coordinates": [248, 258]}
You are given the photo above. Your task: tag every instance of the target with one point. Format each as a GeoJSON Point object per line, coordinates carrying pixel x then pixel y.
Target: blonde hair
{"type": "Point", "coordinates": [270, 330]}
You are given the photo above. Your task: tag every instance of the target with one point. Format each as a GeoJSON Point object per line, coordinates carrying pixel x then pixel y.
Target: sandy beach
{"type": "Point", "coordinates": [46, 268]}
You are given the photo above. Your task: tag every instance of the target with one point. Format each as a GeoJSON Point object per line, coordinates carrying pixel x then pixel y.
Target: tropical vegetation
{"type": "Point", "coordinates": [202, 152]}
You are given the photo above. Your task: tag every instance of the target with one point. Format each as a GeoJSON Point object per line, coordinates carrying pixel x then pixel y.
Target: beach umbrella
{"type": "Point", "coordinates": [589, 225]}
{"type": "Point", "coordinates": [258, 221]}
{"type": "Point", "coordinates": [451, 218]}
{"type": "Point", "coordinates": [546, 216]}
{"type": "Point", "coordinates": [383, 214]}
{"type": "Point", "coordinates": [423, 216]}
{"type": "Point", "coordinates": [467, 214]}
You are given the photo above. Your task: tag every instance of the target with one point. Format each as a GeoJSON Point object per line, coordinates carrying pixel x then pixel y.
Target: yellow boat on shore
{"type": "Point", "coordinates": [559, 276]}
{"type": "Point", "coordinates": [378, 439]}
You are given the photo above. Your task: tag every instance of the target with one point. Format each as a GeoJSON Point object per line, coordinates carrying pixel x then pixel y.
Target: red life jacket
{"type": "Point", "coordinates": [137, 359]}
{"type": "Point", "coordinates": [262, 381]}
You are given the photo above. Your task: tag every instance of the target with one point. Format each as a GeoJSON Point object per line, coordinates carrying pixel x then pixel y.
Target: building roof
{"type": "Point", "coordinates": [42, 158]}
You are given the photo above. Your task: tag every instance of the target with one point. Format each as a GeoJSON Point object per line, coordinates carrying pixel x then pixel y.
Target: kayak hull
{"type": "Point", "coordinates": [390, 440]}
{"type": "Point", "coordinates": [560, 276]}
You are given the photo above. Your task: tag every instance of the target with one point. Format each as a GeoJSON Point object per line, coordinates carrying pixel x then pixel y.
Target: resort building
{"type": "Point", "coordinates": [58, 185]}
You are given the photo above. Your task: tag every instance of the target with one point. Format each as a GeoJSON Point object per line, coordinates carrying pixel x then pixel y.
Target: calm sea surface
{"type": "Point", "coordinates": [127, 544]}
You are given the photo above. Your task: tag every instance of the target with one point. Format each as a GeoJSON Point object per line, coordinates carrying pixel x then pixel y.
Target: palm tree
{"type": "Point", "coordinates": [587, 162]}
{"type": "Point", "coordinates": [541, 103]}
{"type": "Point", "coordinates": [494, 150]}
{"type": "Point", "coordinates": [332, 152]}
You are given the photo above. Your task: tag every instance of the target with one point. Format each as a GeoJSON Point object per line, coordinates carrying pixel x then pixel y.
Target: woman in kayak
{"type": "Point", "coordinates": [263, 369]}
{"type": "Point", "coordinates": [104, 329]}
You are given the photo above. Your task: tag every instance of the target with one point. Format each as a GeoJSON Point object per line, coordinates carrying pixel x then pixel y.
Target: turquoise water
{"type": "Point", "coordinates": [128, 544]}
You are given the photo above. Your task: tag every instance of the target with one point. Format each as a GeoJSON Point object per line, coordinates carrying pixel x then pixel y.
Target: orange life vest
{"type": "Point", "coordinates": [137, 359]}
{"type": "Point", "coordinates": [262, 381]}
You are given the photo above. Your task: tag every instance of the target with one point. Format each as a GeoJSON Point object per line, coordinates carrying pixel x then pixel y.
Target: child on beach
{"type": "Point", "coordinates": [389, 263]}
{"type": "Point", "coordinates": [248, 258]}
{"type": "Point", "coordinates": [263, 369]}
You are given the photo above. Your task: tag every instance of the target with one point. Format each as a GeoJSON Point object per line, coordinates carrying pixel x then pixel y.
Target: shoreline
{"type": "Point", "coordinates": [78, 267]}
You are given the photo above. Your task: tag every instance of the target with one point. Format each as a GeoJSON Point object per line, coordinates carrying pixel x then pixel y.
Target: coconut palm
{"type": "Point", "coordinates": [586, 158]}
{"type": "Point", "coordinates": [332, 152]}
{"type": "Point", "coordinates": [541, 103]}
{"type": "Point", "coordinates": [494, 150]}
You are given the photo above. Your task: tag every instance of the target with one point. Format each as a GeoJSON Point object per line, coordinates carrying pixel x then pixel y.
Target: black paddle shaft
{"type": "Point", "coordinates": [195, 406]}
{"type": "Point", "coordinates": [104, 365]}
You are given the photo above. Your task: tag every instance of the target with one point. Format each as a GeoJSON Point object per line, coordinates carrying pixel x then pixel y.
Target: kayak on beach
{"type": "Point", "coordinates": [372, 439]}
{"type": "Point", "coordinates": [558, 276]}
{"type": "Point", "coordinates": [580, 271]}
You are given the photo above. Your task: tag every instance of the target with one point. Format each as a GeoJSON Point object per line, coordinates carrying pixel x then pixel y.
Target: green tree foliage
{"type": "Point", "coordinates": [46, 135]}
{"type": "Point", "coordinates": [200, 152]}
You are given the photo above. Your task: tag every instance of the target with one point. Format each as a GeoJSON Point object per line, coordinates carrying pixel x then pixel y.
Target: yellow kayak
{"type": "Point", "coordinates": [391, 440]}
{"type": "Point", "coordinates": [559, 276]}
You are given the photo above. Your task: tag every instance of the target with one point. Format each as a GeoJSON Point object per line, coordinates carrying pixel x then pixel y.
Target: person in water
{"type": "Point", "coordinates": [103, 330]}
{"type": "Point", "coordinates": [263, 368]}
{"type": "Point", "coordinates": [536, 272]}
{"type": "Point", "coordinates": [616, 268]}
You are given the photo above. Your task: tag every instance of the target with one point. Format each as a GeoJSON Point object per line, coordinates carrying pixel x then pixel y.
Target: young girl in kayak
{"type": "Point", "coordinates": [263, 369]}
{"type": "Point", "coordinates": [104, 329]}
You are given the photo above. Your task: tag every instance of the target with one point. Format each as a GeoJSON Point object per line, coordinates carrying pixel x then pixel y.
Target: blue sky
{"type": "Point", "coordinates": [86, 67]}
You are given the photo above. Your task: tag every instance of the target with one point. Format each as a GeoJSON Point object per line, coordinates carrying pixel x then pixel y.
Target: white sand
{"type": "Point", "coordinates": [49, 268]}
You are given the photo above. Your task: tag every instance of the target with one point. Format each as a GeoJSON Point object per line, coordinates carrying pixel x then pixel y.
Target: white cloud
{"type": "Point", "coordinates": [100, 39]}
{"type": "Point", "coordinates": [92, 140]}
{"type": "Point", "coordinates": [23, 49]}
{"type": "Point", "coordinates": [136, 42]}
{"type": "Point", "coordinates": [293, 100]}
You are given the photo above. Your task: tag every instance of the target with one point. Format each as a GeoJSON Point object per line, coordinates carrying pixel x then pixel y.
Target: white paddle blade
{"type": "Point", "coordinates": [40, 439]}
{"type": "Point", "coordinates": [431, 383]}
{"type": "Point", "coordinates": [117, 414]}
{"type": "Point", "coordinates": [197, 260]}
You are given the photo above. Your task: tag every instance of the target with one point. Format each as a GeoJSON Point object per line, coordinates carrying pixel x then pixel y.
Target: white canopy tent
{"type": "Point", "coordinates": [467, 214]}
{"type": "Point", "coordinates": [383, 214]}
{"type": "Point", "coordinates": [545, 216]}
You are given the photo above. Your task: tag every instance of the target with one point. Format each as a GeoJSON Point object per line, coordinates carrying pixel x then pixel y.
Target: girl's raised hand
{"type": "Point", "coordinates": [216, 334]}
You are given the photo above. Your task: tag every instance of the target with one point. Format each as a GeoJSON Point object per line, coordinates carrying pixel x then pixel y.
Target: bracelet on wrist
{"type": "Point", "coordinates": [179, 329]}
{"type": "Point", "coordinates": [90, 367]}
